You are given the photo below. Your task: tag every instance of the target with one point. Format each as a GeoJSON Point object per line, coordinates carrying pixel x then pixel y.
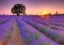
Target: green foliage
{"type": "Point", "coordinates": [18, 9]}
{"type": "Point", "coordinates": [37, 35]}
{"type": "Point", "coordinates": [7, 38]}
{"type": "Point", "coordinates": [43, 30]}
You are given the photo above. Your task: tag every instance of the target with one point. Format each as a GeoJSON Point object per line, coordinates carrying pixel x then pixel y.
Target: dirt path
{"type": "Point", "coordinates": [16, 37]}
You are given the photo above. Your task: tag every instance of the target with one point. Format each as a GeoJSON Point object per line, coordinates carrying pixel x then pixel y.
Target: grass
{"type": "Point", "coordinates": [37, 35]}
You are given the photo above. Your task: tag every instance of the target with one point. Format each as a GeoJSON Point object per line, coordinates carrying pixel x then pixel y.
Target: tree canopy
{"type": "Point", "coordinates": [18, 9]}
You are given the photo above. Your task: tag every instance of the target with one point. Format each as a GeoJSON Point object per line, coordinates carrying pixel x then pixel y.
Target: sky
{"type": "Point", "coordinates": [33, 6]}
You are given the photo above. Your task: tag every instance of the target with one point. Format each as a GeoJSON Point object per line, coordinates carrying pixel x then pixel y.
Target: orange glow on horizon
{"type": "Point", "coordinates": [44, 12]}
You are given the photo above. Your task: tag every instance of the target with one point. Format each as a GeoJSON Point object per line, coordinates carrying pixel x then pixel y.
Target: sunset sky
{"type": "Point", "coordinates": [33, 6]}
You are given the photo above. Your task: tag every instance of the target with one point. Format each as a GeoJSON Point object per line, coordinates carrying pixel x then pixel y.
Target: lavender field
{"type": "Point", "coordinates": [31, 30]}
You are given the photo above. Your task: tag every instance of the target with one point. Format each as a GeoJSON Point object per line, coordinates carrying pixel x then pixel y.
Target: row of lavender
{"type": "Point", "coordinates": [5, 29]}
{"type": "Point", "coordinates": [32, 35]}
{"type": "Point", "coordinates": [4, 18]}
{"type": "Point", "coordinates": [49, 18]}
{"type": "Point", "coordinates": [56, 35]}
{"type": "Point", "coordinates": [52, 22]}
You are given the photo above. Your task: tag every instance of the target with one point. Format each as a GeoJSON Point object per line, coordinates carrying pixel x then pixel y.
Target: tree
{"type": "Point", "coordinates": [56, 12]}
{"type": "Point", "coordinates": [50, 14]}
{"type": "Point", "coordinates": [18, 9]}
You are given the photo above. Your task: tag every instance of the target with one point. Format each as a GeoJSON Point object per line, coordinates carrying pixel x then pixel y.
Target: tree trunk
{"type": "Point", "coordinates": [17, 14]}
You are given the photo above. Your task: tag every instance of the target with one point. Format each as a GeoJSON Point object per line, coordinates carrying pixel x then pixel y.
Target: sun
{"type": "Point", "coordinates": [44, 12]}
